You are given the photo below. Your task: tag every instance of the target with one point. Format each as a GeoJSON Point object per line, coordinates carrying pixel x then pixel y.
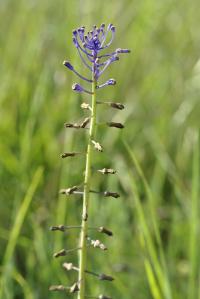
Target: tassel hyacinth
{"type": "Point", "coordinates": [91, 48]}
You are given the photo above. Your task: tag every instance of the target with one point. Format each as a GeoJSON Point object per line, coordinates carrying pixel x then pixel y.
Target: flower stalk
{"type": "Point", "coordinates": [86, 196]}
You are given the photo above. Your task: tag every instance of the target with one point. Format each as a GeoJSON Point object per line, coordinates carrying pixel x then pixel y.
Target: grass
{"type": "Point", "coordinates": [156, 220]}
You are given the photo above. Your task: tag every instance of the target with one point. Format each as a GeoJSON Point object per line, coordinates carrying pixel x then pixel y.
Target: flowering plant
{"type": "Point", "coordinates": [91, 48]}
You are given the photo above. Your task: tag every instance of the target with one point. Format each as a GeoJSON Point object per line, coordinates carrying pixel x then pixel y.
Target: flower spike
{"type": "Point", "coordinates": [90, 47]}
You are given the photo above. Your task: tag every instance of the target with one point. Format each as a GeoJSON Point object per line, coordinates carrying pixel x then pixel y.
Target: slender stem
{"type": "Point", "coordinates": [87, 181]}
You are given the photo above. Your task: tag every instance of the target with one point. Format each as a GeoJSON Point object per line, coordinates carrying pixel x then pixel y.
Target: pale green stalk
{"type": "Point", "coordinates": [86, 195]}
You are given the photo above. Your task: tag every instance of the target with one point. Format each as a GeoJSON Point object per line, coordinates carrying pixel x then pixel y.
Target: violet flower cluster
{"type": "Point", "coordinates": [89, 47]}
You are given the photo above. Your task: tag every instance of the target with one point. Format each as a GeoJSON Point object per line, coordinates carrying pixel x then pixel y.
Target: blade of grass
{"type": "Point", "coordinates": [153, 284]}
{"type": "Point", "coordinates": [150, 247]}
{"type": "Point", "coordinates": [164, 282]}
{"type": "Point", "coordinates": [18, 222]}
{"type": "Point", "coordinates": [168, 166]}
{"type": "Point", "coordinates": [194, 224]}
{"type": "Point", "coordinates": [22, 282]}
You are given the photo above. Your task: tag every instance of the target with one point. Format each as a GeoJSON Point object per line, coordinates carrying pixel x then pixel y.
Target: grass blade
{"type": "Point", "coordinates": [18, 222]}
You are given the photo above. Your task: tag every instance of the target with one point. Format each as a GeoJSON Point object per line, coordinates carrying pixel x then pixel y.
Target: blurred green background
{"type": "Point", "coordinates": [155, 249]}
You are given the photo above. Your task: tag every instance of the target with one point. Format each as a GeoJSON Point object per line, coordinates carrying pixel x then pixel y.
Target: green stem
{"type": "Point", "coordinates": [87, 181]}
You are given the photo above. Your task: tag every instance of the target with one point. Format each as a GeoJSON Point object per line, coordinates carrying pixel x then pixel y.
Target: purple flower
{"type": "Point", "coordinates": [70, 67]}
{"type": "Point", "coordinates": [89, 46]}
{"type": "Point", "coordinates": [109, 82]}
{"type": "Point", "coordinates": [119, 50]}
{"type": "Point", "coordinates": [78, 88]}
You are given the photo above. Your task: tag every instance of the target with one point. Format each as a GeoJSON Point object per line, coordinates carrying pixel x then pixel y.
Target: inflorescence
{"type": "Point", "coordinates": [91, 48]}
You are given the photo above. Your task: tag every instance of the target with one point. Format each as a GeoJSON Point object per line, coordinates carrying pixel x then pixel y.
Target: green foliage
{"type": "Point", "coordinates": [156, 219]}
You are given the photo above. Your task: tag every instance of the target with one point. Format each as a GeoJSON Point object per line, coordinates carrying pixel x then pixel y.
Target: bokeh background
{"type": "Point", "coordinates": [154, 252]}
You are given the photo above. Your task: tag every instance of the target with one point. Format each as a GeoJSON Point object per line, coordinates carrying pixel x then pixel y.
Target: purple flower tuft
{"type": "Point", "coordinates": [89, 46]}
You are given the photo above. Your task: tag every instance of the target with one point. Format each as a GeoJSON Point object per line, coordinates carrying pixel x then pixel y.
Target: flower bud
{"type": "Point", "coordinates": [97, 146]}
{"type": "Point", "coordinates": [74, 288]}
{"type": "Point", "coordinates": [103, 297]}
{"type": "Point", "coordinates": [104, 230]}
{"type": "Point", "coordinates": [85, 122]}
{"type": "Point", "coordinates": [111, 82]}
{"type": "Point", "coordinates": [57, 288]}
{"type": "Point", "coordinates": [77, 87]}
{"type": "Point", "coordinates": [68, 266]}
{"type": "Point", "coordinates": [85, 106]}
{"type": "Point", "coordinates": [117, 105]}
{"type": "Point", "coordinates": [69, 190]}
{"type": "Point", "coordinates": [111, 194]}
{"type": "Point", "coordinates": [66, 155]}
{"type": "Point", "coordinates": [115, 125]}
{"type": "Point", "coordinates": [120, 51]}
{"type": "Point", "coordinates": [98, 244]}
{"type": "Point", "coordinates": [107, 171]}
{"type": "Point", "coordinates": [58, 227]}
{"type": "Point", "coordinates": [68, 65]}
{"type": "Point", "coordinates": [74, 32]}
{"type": "Point", "coordinates": [105, 277]}
{"type": "Point", "coordinates": [62, 252]}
